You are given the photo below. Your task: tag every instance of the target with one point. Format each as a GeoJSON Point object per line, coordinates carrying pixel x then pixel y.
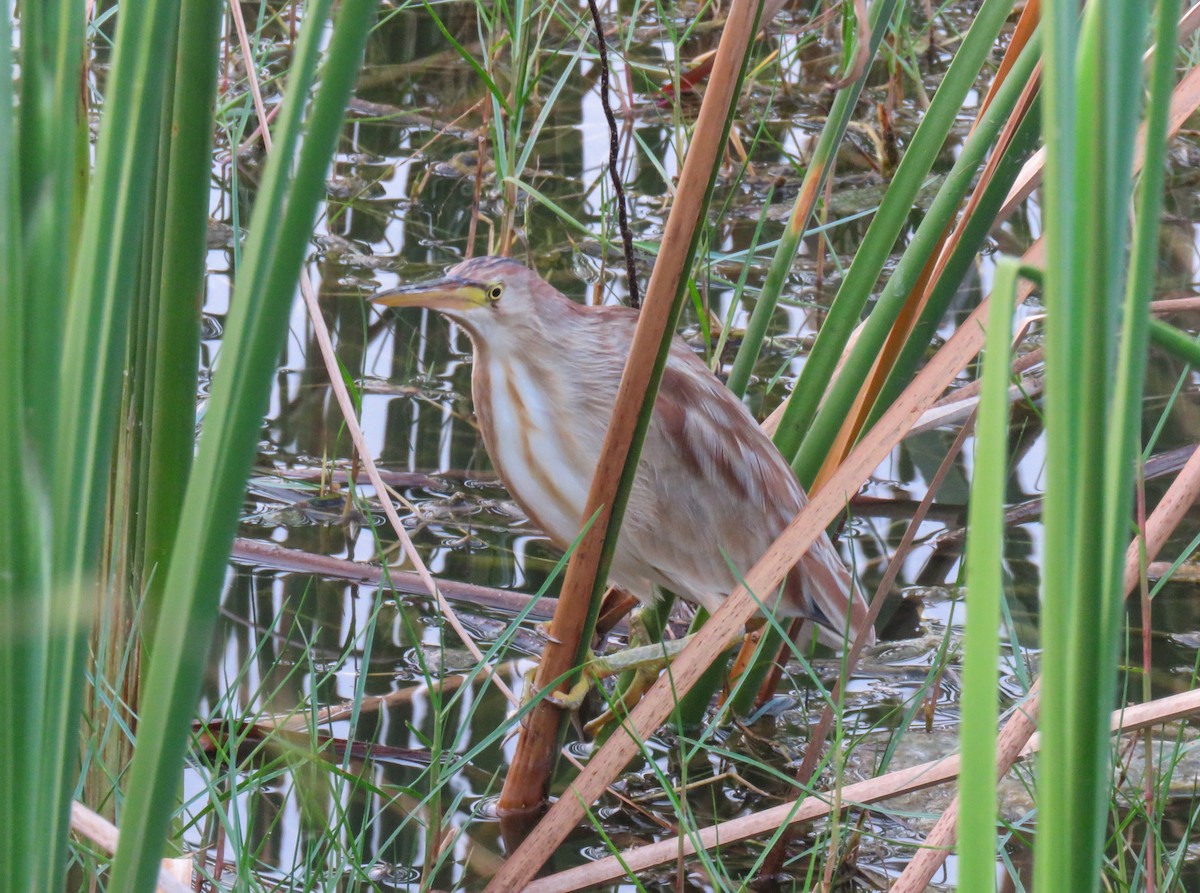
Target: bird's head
{"type": "Point", "coordinates": [488, 296]}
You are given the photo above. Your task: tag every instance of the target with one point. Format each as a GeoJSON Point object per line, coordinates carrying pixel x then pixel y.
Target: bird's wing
{"type": "Point", "coordinates": [711, 474]}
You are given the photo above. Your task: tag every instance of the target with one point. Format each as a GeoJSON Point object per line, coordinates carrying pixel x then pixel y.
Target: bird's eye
{"type": "Point", "coordinates": [494, 292]}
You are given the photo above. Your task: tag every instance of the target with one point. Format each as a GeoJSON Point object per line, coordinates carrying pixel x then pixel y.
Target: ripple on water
{"type": "Point", "coordinates": [388, 875]}
{"type": "Point", "coordinates": [579, 749]}
{"type": "Point", "coordinates": [487, 809]}
{"type": "Point", "coordinates": [595, 853]}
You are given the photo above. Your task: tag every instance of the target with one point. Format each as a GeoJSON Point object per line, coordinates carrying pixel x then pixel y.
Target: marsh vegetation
{"type": "Point", "coordinates": [200, 631]}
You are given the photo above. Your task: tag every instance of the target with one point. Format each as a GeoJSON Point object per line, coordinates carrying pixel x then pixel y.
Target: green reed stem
{"type": "Point", "coordinates": [890, 219]}
{"type": "Point", "coordinates": [840, 113]}
{"type": "Point", "coordinates": [293, 184]}
{"type": "Point", "coordinates": [1095, 355]}
{"type": "Point", "coordinates": [985, 586]}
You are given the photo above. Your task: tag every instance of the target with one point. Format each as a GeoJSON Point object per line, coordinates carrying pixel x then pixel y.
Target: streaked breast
{"type": "Point", "coordinates": [532, 444]}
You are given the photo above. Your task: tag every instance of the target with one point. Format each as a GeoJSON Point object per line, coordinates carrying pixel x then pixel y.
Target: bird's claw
{"type": "Point", "coordinates": [572, 698]}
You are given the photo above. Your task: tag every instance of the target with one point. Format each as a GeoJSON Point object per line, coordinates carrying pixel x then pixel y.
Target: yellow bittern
{"type": "Point", "coordinates": [712, 492]}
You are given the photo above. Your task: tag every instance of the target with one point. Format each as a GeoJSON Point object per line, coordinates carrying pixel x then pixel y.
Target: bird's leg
{"type": "Point", "coordinates": [648, 658]}
{"type": "Point", "coordinates": [645, 661]}
{"type": "Point", "coordinates": [617, 603]}
{"type": "Point", "coordinates": [642, 657]}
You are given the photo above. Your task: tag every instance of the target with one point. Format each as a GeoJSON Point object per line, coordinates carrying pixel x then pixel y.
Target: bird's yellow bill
{"type": "Point", "coordinates": [440, 294]}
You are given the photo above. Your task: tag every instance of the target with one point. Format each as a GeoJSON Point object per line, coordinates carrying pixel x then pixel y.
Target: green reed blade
{"type": "Point", "coordinates": [180, 282]}
{"type": "Point", "coordinates": [280, 229]}
{"type": "Point", "coordinates": [843, 392]}
{"type": "Point", "coordinates": [90, 350]}
{"type": "Point", "coordinates": [825, 151]}
{"type": "Point", "coordinates": [975, 231]}
{"type": "Point", "coordinates": [889, 220]}
{"type": "Point", "coordinates": [1094, 365]}
{"type": "Point", "coordinates": [985, 591]}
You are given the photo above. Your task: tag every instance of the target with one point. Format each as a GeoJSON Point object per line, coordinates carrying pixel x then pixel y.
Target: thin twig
{"type": "Point", "coordinates": [635, 297]}
{"type": "Point", "coordinates": [477, 198]}
{"type": "Point", "coordinates": [251, 75]}
{"type": "Point", "coordinates": [294, 560]}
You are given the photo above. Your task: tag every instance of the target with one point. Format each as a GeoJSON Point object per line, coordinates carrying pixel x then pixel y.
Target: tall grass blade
{"type": "Point", "coordinates": [171, 404]}
{"type": "Point", "coordinates": [974, 232]}
{"type": "Point", "coordinates": [280, 228]}
{"type": "Point", "coordinates": [52, 138]}
{"type": "Point", "coordinates": [985, 588]}
{"type": "Point", "coordinates": [1093, 93]}
{"type": "Point", "coordinates": [831, 419]}
{"type": "Point", "coordinates": [885, 228]}
{"type": "Point", "coordinates": [91, 344]}
{"type": "Point", "coordinates": [819, 166]}
{"type": "Point", "coordinates": [26, 863]}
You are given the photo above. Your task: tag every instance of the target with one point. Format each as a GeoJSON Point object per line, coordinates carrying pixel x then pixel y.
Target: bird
{"type": "Point", "coordinates": [711, 493]}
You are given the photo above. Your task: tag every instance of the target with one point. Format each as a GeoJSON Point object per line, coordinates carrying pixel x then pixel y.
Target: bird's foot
{"type": "Point", "coordinates": [626, 698]}
{"type": "Point", "coordinates": [645, 662]}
